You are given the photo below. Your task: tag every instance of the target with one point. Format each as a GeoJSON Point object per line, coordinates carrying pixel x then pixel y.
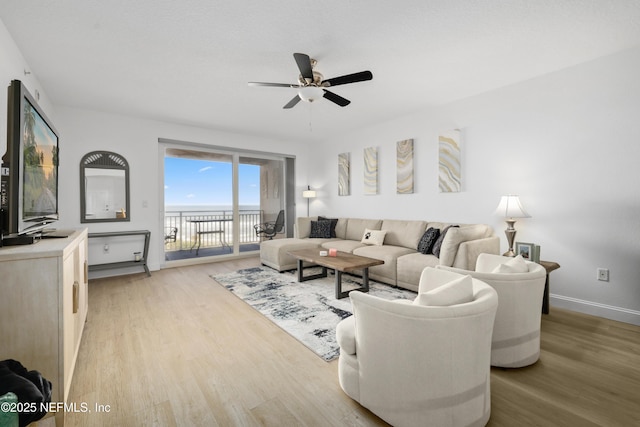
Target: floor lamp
{"type": "Point", "coordinates": [511, 208]}
{"type": "Point", "coordinates": [308, 194]}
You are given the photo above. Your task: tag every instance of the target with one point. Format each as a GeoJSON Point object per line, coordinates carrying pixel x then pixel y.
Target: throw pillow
{"type": "Point", "coordinates": [320, 230]}
{"type": "Point", "coordinates": [373, 237]}
{"type": "Point", "coordinates": [514, 265]}
{"type": "Point", "coordinates": [438, 244]}
{"type": "Point", "coordinates": [457, 291]}
{"type": "Point", "coordinates": [425, 246]}
{"type": "Point", "coordinates": [334, 221]}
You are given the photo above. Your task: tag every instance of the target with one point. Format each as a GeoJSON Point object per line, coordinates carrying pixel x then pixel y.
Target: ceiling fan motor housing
{"type": "Point", "coordinates": [317, 79]}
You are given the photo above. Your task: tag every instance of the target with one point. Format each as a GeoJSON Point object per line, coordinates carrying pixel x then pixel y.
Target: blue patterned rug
{"type": "Point", "coordinates": [308, 311]}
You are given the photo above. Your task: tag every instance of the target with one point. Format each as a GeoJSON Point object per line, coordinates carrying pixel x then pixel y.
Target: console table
{"type": "Point", "coordinates": [549, 266]}
{"type": "Point", "coordinates": [122, 264]}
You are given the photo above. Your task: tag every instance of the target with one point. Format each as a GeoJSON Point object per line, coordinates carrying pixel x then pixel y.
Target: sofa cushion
{"type": "Point", "coordinates": [274, 253]}
{"type": "Point", "coordinates": [428, 239]}
{"type": "Point", "coordinates": [514, 265]}
{"type": "Point", "coordinates": [403, 233]}
{"type": "Point", "coordinates": [303, 226]}
{"type": "Point", "coordinates": [373, 237]}
{"type": "Point", "coordinates": [437, 246]}
{"type": "Point", "coordinates": [455, 236]}
{"type": "Point", "coordinates": [457, 291]}
{"type": "Point", "coordinates": [321, 229]}
{"type": "Point", "coordinates": [386, 272]}
{"type": "Point", "coordinates": [355, 227]}
{"type": "Point", "coordinates": [410, 267]}
{"type": "Point", "coordinates": [341, 228]}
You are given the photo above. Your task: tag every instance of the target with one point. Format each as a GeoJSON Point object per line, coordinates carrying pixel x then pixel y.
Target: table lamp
{"type": "Point", "coordinates": [308, 194]}
{"type": "Point", "coordinates": [511, 208]}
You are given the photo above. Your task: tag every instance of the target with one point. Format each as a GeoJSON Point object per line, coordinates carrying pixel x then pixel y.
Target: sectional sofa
{"type": "Point", "coordinates": [398, 248]}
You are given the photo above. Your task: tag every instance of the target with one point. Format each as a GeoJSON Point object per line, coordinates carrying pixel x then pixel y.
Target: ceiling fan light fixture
{"type": "Point", "coordinates": [310, 93]}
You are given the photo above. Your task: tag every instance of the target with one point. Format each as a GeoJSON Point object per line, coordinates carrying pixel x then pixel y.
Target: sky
{"type": "Point", "coordinates": [189, 182]}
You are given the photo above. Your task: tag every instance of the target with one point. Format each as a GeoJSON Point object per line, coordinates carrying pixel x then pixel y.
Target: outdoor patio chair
{"type": "Point", "coordinates": [270, 228]}
{"type": "Point", "coordinates": [172, 233]}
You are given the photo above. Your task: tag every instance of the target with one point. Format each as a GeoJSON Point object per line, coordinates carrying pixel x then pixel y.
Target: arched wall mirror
{"type": "Point", "coordinates": [104, 187]}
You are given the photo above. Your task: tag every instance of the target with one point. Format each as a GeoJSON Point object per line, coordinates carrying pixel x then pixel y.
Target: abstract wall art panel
{"type": "Point", "coordinates": [449, 179]}
{"type": "Point", "coordinates": [405, 166]}
{"type": "Point", "coordinates": [371, 170]}
{"type": "Point", "coordinates": [343, 174]}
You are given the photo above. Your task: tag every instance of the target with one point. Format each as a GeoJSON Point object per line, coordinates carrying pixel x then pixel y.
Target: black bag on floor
{"type": "Point", "coordinates": [29, 386]}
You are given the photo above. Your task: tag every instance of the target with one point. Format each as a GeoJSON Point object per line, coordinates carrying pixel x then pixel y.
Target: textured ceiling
{"type": "Point", "coordinates": [189, 61]}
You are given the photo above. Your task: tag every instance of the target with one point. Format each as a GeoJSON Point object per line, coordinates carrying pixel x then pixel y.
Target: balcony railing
{"type": "Point", "coordinates": [209, 228]}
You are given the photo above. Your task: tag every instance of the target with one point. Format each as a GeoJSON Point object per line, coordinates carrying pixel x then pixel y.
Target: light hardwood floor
{"type": "Point", "coordinates": [177, 349]}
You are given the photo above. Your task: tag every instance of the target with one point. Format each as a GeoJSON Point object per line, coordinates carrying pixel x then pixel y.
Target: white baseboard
{"type": "Point", "coordinates": [595, 309]}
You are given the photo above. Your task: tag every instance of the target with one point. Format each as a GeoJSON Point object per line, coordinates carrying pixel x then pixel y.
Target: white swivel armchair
{"type": "Point", "coordinates": [516, 332]}
{"type": "Point", "coordinates": [414, 364]}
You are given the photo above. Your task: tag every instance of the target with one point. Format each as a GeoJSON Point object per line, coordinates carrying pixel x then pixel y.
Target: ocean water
{"type": "Point", "coordinates": [207, 208]}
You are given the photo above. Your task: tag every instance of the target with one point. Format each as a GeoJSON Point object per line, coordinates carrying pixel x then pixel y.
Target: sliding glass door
{"type": "Point", "coordinates": [270, 194]}
{"type": "Point", "coordinates": [213, 200]}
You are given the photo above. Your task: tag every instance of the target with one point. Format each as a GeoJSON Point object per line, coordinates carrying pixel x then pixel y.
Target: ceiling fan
{"type": "Point", "coordinates": [312, 86]}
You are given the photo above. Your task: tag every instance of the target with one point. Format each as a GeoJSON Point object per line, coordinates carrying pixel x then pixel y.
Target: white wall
{"type": "Point", "coordinates": [568, 143]}
{"type": "Point", "coordinates": [82, 131]}
{"type": "Point", "coordinates": [137, 140]}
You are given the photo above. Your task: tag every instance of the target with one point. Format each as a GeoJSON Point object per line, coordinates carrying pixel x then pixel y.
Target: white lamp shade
{"type": "Point", "coordinates": [310, 93]}
{"type": "Point", "coordinates": [309, 194]}
{"type": "Point", "coordinates": [510, 207]}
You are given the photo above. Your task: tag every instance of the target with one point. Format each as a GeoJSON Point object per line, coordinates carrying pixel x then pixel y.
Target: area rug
{"type": "Point", "coordinates": [308, 310]}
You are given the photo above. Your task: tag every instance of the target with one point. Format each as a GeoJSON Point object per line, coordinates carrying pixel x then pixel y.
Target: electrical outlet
{"type": "Point", "coordinates": [105, 249]}
{"type": "Point", "coordinates": [603, 274]}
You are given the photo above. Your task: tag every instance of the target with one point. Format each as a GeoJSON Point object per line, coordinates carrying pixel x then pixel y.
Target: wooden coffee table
{"type": "Point", "coordinates": [343, 263]}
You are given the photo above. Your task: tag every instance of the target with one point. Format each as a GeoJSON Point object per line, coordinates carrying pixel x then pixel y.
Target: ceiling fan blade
{"type": "Point", "coordinates": [272, 84]}
{"type": "Point", "coordinates": [304, 64]}
{"type": "Point", "coordinates": [349, 78]}
{"type": "Point", "coordinates": [343, 102]}
{"type": "Point", "coordinates": [293, 102]}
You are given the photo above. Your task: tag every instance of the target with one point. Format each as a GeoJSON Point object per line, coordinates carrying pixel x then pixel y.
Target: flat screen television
{"type": "Point", "coordinates": [29, 197]}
